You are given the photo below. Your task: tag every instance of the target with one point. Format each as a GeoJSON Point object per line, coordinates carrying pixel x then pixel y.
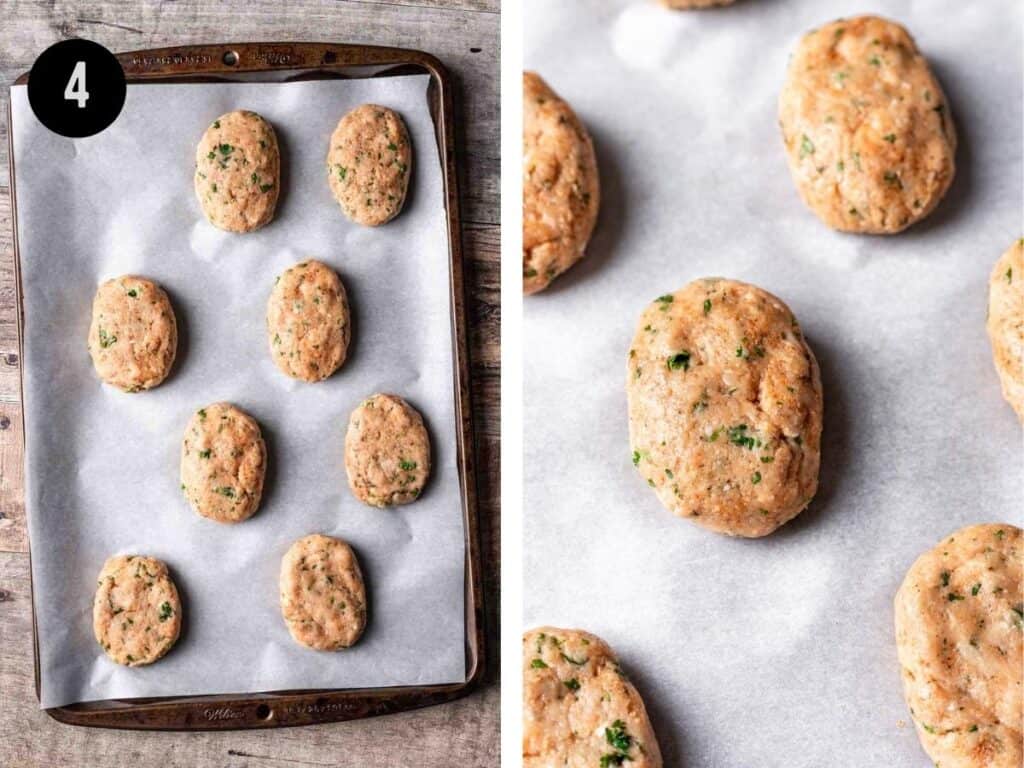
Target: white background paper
{"type": "Point", "coordinates": [103, 466]}
{"type": "Point", "coordinates": [780, 651]}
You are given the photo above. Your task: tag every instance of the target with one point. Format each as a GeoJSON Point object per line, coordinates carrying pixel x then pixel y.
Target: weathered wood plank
{"type": "Point", "coordinates": [464, 733]}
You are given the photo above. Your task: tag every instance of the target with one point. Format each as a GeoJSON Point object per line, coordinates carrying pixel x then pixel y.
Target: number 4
{"type": "Point", "coordinates": [75, 89]}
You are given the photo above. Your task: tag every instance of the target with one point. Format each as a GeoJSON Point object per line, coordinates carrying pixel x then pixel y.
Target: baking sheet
{"type": "Point", "coordinates": [777, 652]}
{"type": "Point", "coordinates": [102, 466]}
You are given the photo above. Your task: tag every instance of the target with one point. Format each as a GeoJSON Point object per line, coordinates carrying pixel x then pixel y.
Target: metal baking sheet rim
{"type": "Point", "coordinates": [304, 707]}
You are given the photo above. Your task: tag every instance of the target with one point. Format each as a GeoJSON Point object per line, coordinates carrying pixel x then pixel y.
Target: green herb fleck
{"type": "Point", "coordinates": [806, 146]}
{"type": "Point", "coordinates": [407, 466]}
{"type": "Point", "coordinates": [738, 436]}
{"type": "Point", "coordinates": [572, 684]}
{"type": "Point", "coordinates": [679, 360]}
{"type": "Point", "coordinates": [538, 664]}
{"type": "Point", "coordinates": [106, 339]}
{"type": "Point", "coordinates": [618, 738]}
{"type": "Point", "coordinates": [225, 490]}
{"type": "Point", "coordinates": [166, 611]}
{"type": "Point", "coordinates": [707, 306]}
{"type": "Point", "coordinates": [756, 478]}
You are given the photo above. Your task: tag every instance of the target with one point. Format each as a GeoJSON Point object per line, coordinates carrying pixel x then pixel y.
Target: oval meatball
{"type": "Point", "coordinates": [238, 170]}
{"type": "Point", "coordinates": [725, 407]}
{"type": "Point", "coordinates": [867, 129]}
{"type": "Point", "coordinates": [561, 190]}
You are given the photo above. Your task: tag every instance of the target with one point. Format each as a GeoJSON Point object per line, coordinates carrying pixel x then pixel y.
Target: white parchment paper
{"type": "Point", "coordinates": [102, 466]}
{"type": "Point", "coordinates": [777, 652]}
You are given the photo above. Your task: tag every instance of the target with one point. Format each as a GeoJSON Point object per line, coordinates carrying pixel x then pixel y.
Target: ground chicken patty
{"type": "Point", "coordinates": [133, 337]}
{"type": "Point", "coordinates": [561, 191]}
{"type": "Point", "coordinates": [1006, 323]}
{"type": "Point", "coordinates": [223, 463]}
{"type": "Point", "coordinates": [387, 451]}
{"type": "Point", "coordinates": [136, 614]}
{"type": "Point", "coordinates": [959, 623]}
{"type": "Point", "coordinates": [867, 129]}
{"type": "Point", "coordinates": [368, 164]}
{"type": "Point", "coordinates": [579, 709]}
{"type": "Point", "coordinates": [323, 598]}
{"type": "Point", "coordinates": [725, 407]}
{"type": "Point", "coordinates": [308, 323]}
{"type": "Point", "coordinates": [238, 170]}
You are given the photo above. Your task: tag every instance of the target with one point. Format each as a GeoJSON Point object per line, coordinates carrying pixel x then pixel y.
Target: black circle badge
{"type": "Point", "coordinates": [76, 88]}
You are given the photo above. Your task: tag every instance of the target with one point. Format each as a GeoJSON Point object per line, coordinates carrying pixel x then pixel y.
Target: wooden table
{"type": "Point", "coordinates": [464, 35]}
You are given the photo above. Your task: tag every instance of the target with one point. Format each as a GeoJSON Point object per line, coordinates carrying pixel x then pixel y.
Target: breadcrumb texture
{"type": "Point", "coordinates": [136, 615]}
{"type": "Point", "coordinates": [561, 190]}
{"type": "Point", "coordinates": [868, 132]}
{"type": "Point", "coordinates": [959, 623]}
{"type": "Point", "coordinates": [387, 451]}
{"type": "Point", "coordinates": [323, 598]}
{"type": "Point", "coordinates": [579, 709]}
{"type": "Point", "coordinates": [725, 407]}
{"type": "Point", "coordinates": [223, 463]}
{"type": "Point", "coordinates": [308, 324]}
{"type": "Point", "coordinates": [368, 164]}
{"type": "Point", "coordinates": [238, 172]}
{"type": "Point", "coordinates": [133, 336]}
{"type": "Point", "coordinates": [1006, 323]}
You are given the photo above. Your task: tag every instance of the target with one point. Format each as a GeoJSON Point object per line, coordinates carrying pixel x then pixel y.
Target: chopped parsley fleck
{"type": "Point", "coordinates": [738, 436]}
{"type": "Point", "coordinates": [1009, 275]}
{"type": "Point", "coordinates": [944, 576]}
{"type": "Point", "coordinates": [636, 458]}
{"type": "Point", "coordinates": [954, 597]}
{"type": "Point", "coordinates": [707, 306]}
{"type": "Point", "coordinates": [572, 684]}
{"type": "Point", "coordinates": [679, 360]}
{"type": "Point", "coordinates": [976, 588]}
{"type": "Point", "coordinates": [205, 454]}
{"type": "Point", "coordinates": [618, 738]}
{"type": "Point", "coordinates": [756, 478]}
{"type": "Point", "coordinates": [806, 146]}
{"type": "Point", "coordinates": [407, 466]}
{"type": "Point", "coordinates": [133, 293]}
{"type": "Point", "coordinates": [664, 301]}
{"type": "Point", "coordinates": [225, 149]}
{"type": "Point", "coordinates": [202, 413]}
{"type": "Point", "coordinates": [573, 661]}
{"type": "Point", "coordinates": [538, 664]}
{"type": "Point", "coordinates": [225, 490]}
{"type": "Point", "coordinates": [106, 339]}
{"type": "Point", "coordinates": [874, 61]}
{"type": "Point", "coordinates": [166, 611]}
{"type": "Point", "coordinates": [891, 138]}
{"type": "Point", "coordinates": [266, 187]}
